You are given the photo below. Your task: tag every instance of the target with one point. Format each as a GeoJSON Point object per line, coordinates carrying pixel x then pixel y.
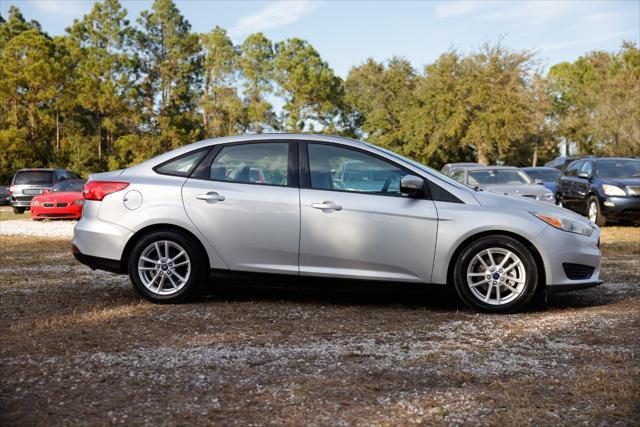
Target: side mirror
{"type": "Point", "coordinates": [583, 175]}
{"type": "Point", "coordinates": [412, 186]}
{"type": "Point", "coordinates": [538, 181]}
{"type": "Point", "coordinates": [46, 190]}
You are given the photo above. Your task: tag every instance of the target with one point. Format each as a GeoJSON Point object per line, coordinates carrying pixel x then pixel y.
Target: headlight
{"type": "Point", "coordinates": [546, 197]}
{"type": "Point", "coordinates": [566, 224]}
{"type": "Point", "coordinates": [613, 190]}
{"type": "Point", "coordinates": [77, 202]}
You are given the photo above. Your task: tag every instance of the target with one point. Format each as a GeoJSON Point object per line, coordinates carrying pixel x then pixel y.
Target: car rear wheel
{"type": "Point", "coordinates": [496, 274]}
{"type": "Point", "coordinates": [18, 211]}
{"type": "Point", "coordinates": [595, 213]}
{"type": "Point", "coordinates": [167, 267]}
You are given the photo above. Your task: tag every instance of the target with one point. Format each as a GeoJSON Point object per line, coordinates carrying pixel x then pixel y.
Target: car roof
{"type": "Point", "coordinates": [40, 169]}
{"type": "Point", "coordinates": [492, 167]}
{"type": "Point", "coordinates": [531, 168]}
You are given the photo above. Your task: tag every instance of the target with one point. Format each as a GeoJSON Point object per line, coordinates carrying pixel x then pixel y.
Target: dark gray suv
{"type": "Point", "coordinates": [27, 183]}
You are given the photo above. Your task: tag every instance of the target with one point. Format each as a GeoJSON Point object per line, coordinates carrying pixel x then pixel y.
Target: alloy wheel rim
{"type": "Point", "coordinates": [164, 267]}
{"type": "Point", "coordinates": [496, 276]}
{"type": "Point", "coordinates": [593, 212]}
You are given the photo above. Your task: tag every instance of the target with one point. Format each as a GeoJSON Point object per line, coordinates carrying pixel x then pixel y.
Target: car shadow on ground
{"type": "Point", "coordinates": [373, 293]}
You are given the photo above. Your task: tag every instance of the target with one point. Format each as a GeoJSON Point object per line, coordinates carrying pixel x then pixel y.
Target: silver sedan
{"type": "Point", "coordinates": [311, 205]}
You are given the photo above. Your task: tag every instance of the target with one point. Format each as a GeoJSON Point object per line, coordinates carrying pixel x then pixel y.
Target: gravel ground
{"type": "Point", "coordinates": [79, 347]}
{"type": "Point", "coordinates": [20, 227]}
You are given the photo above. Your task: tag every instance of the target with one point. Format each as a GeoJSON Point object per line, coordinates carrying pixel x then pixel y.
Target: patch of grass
{"type": "Point", "coordinates": [620, 240]}
{"type": "Point", "coordinates": [6, 214]}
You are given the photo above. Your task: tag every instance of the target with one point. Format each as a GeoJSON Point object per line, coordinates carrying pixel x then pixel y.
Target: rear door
{"type": "Point", "coordinates": [354, 221]}
{"type": "Point", "coordinates": [245, 199]}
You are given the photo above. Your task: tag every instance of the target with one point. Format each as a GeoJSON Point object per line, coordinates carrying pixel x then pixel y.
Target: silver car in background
{"type": "Point", "coordinates": [278, 204]}
{"type": "Point", "coordinates": [507, 180]}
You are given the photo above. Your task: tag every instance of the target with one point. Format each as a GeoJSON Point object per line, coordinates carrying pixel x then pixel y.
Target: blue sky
{"type": "Point", "coordinates": [346, 33]}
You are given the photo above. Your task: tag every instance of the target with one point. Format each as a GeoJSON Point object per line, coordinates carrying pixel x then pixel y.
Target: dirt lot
{"type": "Point", "coordinates": [79, 347]}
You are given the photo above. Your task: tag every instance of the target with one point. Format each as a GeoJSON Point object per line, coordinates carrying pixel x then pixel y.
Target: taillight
{"type": "Point", "coordinates": [10, 190]}
{"type": "Point", "coordinates": [97, 190]}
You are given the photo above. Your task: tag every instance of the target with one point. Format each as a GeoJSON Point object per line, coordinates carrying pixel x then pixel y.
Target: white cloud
{"type": "Point", "coordinates": [75, 8]}
{"type": "Point", "coordinates": [274, 14]}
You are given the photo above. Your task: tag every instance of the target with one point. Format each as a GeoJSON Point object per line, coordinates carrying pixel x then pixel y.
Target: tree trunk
{"type": "Point", "coordinates": [57, 129]}
{"type": "Point", "coordinates": [534, 163]}
{"type": "Point", "coordinates": [481, 154]}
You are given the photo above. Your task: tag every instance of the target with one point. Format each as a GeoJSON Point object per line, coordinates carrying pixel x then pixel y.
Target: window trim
{"type": "Point", "coordinates": [305, 175]}
{"type": "Point", "coordinates": [193, 168]}
{"type": "Point", "coordinates": [201, 172]}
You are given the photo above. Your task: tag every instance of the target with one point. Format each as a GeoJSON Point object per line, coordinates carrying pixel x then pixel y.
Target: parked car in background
{"type": "Point", "coordinates": [506, 180]}
{"type": "Point", "coordinates": [450, 167]}
{"type": "Point", "coordinates": [64, 200]}
{"type": "Point", "coordinates": [544, 175]}
{"type": "Point", "coordinates": [605, 189]}
{"type": "Point", "coordinates": [5, 195]}
{"type": "Point", "coordinates": [177, 219]}
{"type": "Point", "coordinates": [561, 163]}
{"type": "Point", "coordinates": [27, 183]}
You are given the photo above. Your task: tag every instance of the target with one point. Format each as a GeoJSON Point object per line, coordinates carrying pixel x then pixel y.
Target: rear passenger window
{"type": "Point", "coordinates": [260, 163]}
{"type": "Point", "coordinates": [183, 165]}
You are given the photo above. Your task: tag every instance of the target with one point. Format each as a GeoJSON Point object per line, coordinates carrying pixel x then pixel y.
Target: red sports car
{"type": "Point", "coordinates": [64, 200]}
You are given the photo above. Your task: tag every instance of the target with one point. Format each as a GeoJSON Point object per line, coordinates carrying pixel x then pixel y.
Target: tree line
{"type": "Point", "coordinates": [111, 93]}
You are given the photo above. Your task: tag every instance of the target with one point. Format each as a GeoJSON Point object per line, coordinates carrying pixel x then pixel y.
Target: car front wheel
{"type": "Point", "coordinates": [496, 274]}
{"type": "Point", "coordinates": [167, 267]}
{"type": "Point", "coordinates": [595, 213]}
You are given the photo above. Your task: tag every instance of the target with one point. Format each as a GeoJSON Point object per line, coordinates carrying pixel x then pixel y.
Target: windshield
{"type": "Point", "coordinates": [420, 166]}
{"type": "Point", "coordinates": [618, 168]}
{"type": "Point", "coordinates": [497, 176]}
{"type": "Point", "coordinates": [33, 178]}
{"type": "Point", "coordinates": [546, 175]}
{"type": "Point", "coordinates": [68, 186]}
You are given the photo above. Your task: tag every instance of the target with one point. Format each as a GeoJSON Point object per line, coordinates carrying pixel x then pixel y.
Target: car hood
{"type": "Point", "coordinates": [522, 204]}
{"type": "Point", "coordinates": [62, 195]}
{"type": "Point", "coordinates": [517, 190]}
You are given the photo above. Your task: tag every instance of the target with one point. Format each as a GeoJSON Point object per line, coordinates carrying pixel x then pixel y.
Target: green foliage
{"type": "Point", "coordinates": [311, 91]}
{"type": "Point", "coordinates": [110, 94]}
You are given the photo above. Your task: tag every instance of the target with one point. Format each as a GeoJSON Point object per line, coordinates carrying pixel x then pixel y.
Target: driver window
{"type": "Point", "coordinates": [586, 168]}
{"type": "Point", "coordinates": [343, 169]}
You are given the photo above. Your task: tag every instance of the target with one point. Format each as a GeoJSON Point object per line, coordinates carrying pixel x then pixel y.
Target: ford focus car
{"type": "Point", "coordinates": [328, 207]}
{"type": "Point", "coordinates": [63, 201]}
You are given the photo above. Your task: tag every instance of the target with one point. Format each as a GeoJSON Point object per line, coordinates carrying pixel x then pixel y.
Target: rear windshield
{"type": "Point", "coordinates": [33, 178]}
{"type": "Point", "coordinates": [68, 186]}
{"type": "Point", "coordinates": [497, 176]}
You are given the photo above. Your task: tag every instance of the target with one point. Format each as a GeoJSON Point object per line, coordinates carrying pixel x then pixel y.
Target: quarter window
{"type": "Point", "coordinates": [183, 165]}
{"type": "Point", "coordinates": [261, 163]}
{"type": "Point", "coordinates": [338, 168]}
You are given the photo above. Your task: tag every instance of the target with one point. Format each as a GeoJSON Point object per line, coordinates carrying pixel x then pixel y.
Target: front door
{"type": "Point", "coordinates": [356, 224]}
{"type": "Point", "coordinates": [246, 203]}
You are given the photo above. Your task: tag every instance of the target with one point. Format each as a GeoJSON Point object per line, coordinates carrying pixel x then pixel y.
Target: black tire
{"type": "Point", "coordinates": [468, 254]}
{"type": "Point", "coordinates": [600, 219]}
{"type": "Point", "coordinates": [198, 260]}
{"type": "Point", "coordinates": [18, 211]}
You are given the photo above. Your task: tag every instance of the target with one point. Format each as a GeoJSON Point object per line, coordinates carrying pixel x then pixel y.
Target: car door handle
{"type": "Point", "coordinates": [327, 206]}
{"type": "Point", "coordinates": [211, 196]}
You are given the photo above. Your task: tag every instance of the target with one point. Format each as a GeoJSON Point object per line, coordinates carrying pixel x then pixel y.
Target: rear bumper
{"type": "Point", "coordinates": [20, 203]}
{"type": "Point", "coordinates": [97, 263]}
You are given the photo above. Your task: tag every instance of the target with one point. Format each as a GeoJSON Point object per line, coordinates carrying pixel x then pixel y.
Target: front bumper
{"type": "Point", "coordinates": [71, 211]}
{"type": "Point", "coordinates": [559, 247]}
{"type": "Point", "coordinates": [621, 208]}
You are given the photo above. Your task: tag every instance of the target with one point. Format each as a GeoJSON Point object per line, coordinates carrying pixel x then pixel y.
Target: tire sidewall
{"type": "Point", "coordinates": [198, 267]}
{"type": "Point", "coordinates": [600, 219]}
{"type": "Point", "coordinates": [505, 242]}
